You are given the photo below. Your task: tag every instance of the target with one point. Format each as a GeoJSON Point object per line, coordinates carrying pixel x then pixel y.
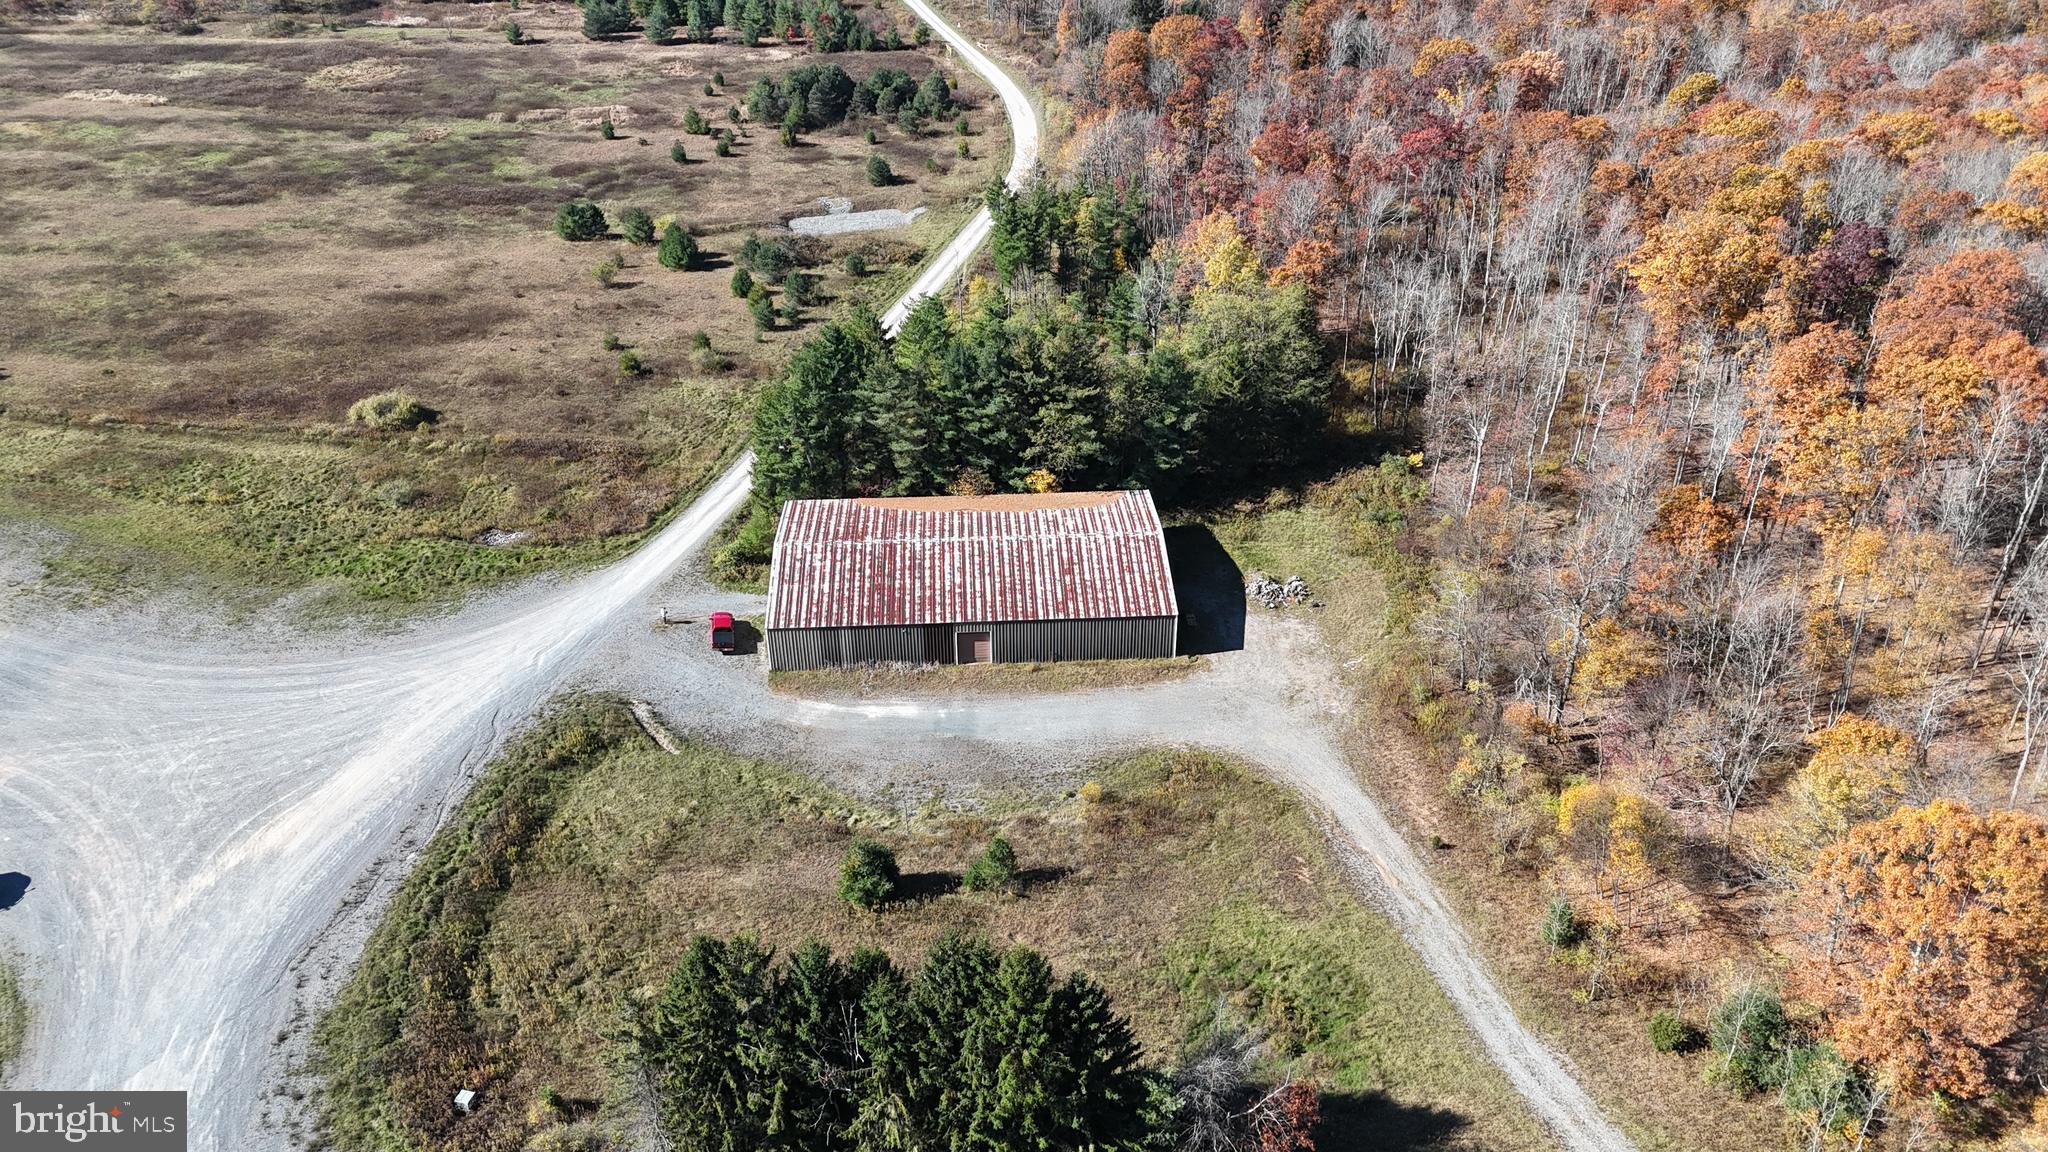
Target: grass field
{"type": "Point", "coordinates": [215, 244]}
{"type": "Point", "coordinates": [13, 1016]}
{"type": "Point", "coordinates": [573, 876]}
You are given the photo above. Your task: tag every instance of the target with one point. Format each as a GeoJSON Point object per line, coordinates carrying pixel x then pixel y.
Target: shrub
{"type": "Point", "coordinates": [1670, 1033]}
{"type": "Point", "coordinates": [960, 149]}
{"type": "Point", "coordinates": [1750, 1034]}
{"type": "Point", "coordinates": [710, 91]}
{"type": "Point", "coordinates": [581, 220]}
{"type": "Point", "coordinates": [630, 363]}
{"type": "Point", "coordinates": [612, 343]}
{"type": "Point", "coordinates": [742, 282]}
{"type": "Point", "coordinates": [1091, 792]}
{"type": "Point", "coordinates": [678, 153]}
{"type": "Point", "coordinates": [678, 249]}
{"type": "Point", "coordinates": [869, 876]}
{"type": "Point", "coordinates": [396, 409]}
{"type": "Point", "coordinates": [694, 122]}
{"type": "Point", "coordinates": [1561, 927]}
{"type": "Point", "coordinates": [762, 308]}
{"type": "Point", "coordinates": [786, 135]}
{"type": "Point", "coordinates": [398, 493]}
{"type": "Point", "coordinates": [923, 35]}
{"type": "Point", "coordinates": [801, 288]}
{"type": "Point", "coordinates": [723, 146]}
{"type": "Point", "coordinates": [607, 129]}
{"type": "Point", "coordinates": [608, 271]}
{"type": "Point", "coordinates": [868, 136]}
{"type": "Point", "coordinates": [700, 340]}
{"type": "Point", "coordinates": [960, 126]}
{"type": "Point", "coordinates": [878, 172]}
{"type": "Point", "coordinates": [717, 78]}
{"type": "Point", "coordinates": [770, 260]}
{"type": "Point", "coordinates": [637, 226]}
{"type": "Point", "coordinates": [856, 265]}
{"type": "Point", "coordinates": [513, 33]}
{"type": "Point", "coordinates": [995, 869]}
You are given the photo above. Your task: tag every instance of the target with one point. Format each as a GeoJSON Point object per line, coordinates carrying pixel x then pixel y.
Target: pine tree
{"type": "Point", "coordinates": [742, 283]}
{"type": "Point", "coordinates": [678, 249]}
{"type": "Point", "coordinates": [660, 22]}
{"type": "Point", "coordinates": [696, 1039]}
{"type": "Point", "coordinates": [754, 22]}
{"type": "Point", "coordinates": [606, 18]}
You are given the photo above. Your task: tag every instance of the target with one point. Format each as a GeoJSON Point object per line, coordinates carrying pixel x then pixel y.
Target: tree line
{"type": "Point", "coordinates": [975, 1049]}
{"type": "Point", "coordinates": [1047, 381]}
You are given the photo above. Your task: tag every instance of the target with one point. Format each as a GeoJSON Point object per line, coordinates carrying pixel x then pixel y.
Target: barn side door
{"type": "Point", "coordinates": [972, 647]}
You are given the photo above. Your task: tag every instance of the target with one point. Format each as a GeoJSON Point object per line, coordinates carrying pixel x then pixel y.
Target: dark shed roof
{"type": "Point", "coordinates": [969, 559]}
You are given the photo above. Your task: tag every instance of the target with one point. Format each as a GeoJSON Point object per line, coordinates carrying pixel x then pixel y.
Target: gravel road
{"type": "Point", "coordinates": [209, 811]}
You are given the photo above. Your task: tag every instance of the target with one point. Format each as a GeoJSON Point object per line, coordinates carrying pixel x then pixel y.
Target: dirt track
{"type": "Point", "coordinates": [202, 810]}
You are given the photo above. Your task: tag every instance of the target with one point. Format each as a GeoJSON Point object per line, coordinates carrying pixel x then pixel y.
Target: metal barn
{"type": "Point", "coordinates": [970, 579]}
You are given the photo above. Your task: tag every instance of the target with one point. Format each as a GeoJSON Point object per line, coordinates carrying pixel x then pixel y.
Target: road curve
{"type": "Point", "coordinates": [1023, 119]}
{"type": "Point", "coordinates": [198, 808]}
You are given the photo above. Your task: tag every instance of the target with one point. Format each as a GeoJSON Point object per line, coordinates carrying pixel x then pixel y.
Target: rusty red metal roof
{"type": "Point", "coordinates": [969, 560]}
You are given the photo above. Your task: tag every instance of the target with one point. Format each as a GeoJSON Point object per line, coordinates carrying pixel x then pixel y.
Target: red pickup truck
{"type": "Point", "coordinates": [721, 631]}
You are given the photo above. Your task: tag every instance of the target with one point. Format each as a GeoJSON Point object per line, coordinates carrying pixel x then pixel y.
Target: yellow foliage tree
{"type": "Point", "coordinates": [1704, 267]}
{"type": "Point", "coordinates": [1617, 834]}
{"type": "Point", "coordinates": [1858, 771]}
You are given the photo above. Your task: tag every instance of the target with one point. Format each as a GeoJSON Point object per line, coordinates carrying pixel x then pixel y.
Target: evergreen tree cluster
{"type": "Point", "coordinates": [830, 24]}
{"type": "Point", "coordinates": [888, 92]}
{"type": "Point", "coordinates": [978, 1049]}
{"type": "Point", "coordinates": [821, 95]}
{"type": "Point", "coordinates": [1021, 381]}
{"type": "Point", "coordinates": [1083, 236]}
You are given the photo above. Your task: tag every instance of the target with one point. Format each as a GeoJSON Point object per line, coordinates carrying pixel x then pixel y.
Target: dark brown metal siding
{"type": "Point", "coordinates": [1020, 642]}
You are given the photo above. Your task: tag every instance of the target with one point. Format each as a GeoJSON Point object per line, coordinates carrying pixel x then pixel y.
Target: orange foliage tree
{"type": "Point", "coordinates": [1929, 944]}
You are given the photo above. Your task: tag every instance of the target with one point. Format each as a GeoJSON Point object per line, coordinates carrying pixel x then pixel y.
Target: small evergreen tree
{"type": "Point", "coordinates": [606, 18]}
{"type": "Point", "coordinates": [742, 283]}
{"type": "Point", "coordinates": [856, 265]}
{"type": "Point", "coordinates": [607, 129]}
{"type": "Point", "coordinates": [1670, 1033]}
{"type": "Point", "coordinates": [660, 21]}
{"type": "Point", "coordinates": [694, 122]}
{"type": "Point", "coordinates": [786, 135]}
{"type": "Point", "coordinates": [678, 249]}
{"type": "Point", "coordinates": [1561, 927]}
{"type": "Point", "coordinates": [878, 172]}
{"type": "Point", "coordinates": [868, 877]}
{"type": "Point", "coordinates": [580, 220]}
{"type": "Point", "coordinates": [513, 33]}
{"type": "Point", "coordinates": [723, 145]}
{"type": "Point", "coordinates": [718, 78]}
{"type": "Point", "coordinates": [762, 308]}
{"type": "Point", "coordinates": [995, 869]}
{"type": "Point", "coordinates": [678, 153]}
{"type": "Point", "coordinates": [637, 227]}
{"type": "Point", "coordinates": [1750, 1034]}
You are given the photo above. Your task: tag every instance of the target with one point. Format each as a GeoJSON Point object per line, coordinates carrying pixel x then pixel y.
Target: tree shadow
{"type": "Point", "coordinates": [1210, 589]}
{"type": "Point", "coordinates": [1030, 878]}
{"type": "Point", "coordinates": [915, 887]}
{"type": "Point", "coordinates": [1374, 1122]}
{"type": "Point", "coordinates": [13, 886]}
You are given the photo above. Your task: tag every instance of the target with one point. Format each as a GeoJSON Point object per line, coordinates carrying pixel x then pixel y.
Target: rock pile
{"type": "Point", "coordinates": [1263, 589]}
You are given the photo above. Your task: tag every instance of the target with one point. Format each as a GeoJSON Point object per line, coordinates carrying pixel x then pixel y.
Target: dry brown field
{"type": "Point", "coordinates": [211, 245]}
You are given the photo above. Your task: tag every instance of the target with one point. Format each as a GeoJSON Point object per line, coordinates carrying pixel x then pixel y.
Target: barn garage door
{"type": "Point", "coordinates": [974, 647]}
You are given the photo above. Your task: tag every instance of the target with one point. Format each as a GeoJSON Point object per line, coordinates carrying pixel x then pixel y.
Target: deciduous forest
{"type": "Point", "coordinates": [1714, 331]}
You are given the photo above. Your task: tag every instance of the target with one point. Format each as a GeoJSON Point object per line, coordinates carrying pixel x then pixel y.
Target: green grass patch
{"type": "Point", "coordinates": [13, 1017]}
{"type": "Point", "coordinates": [571, 880]}
{"type": "Point", "coordinates": [391, 520]}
